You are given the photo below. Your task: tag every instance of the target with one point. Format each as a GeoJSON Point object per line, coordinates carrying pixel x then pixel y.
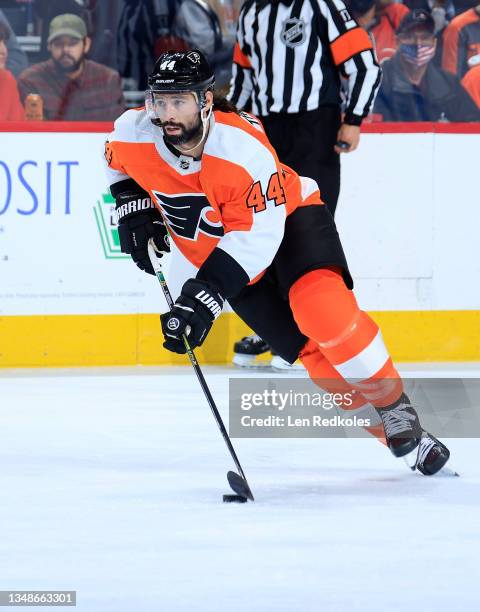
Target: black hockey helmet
{"type": "Point", "coordinates": [181, 71]}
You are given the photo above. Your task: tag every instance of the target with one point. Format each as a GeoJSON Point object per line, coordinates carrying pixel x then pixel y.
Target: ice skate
{"type": "Point", "coordinates": [402, 427]}
{"type": "Point", "coordinates": [429, 457]}
{"type": "Point", "coordinates": [278, 364]}
{"type": "Point", "coordinates": [247, 350]}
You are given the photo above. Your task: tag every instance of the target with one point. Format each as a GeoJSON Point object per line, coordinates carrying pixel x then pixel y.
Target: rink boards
{"type": "Point", "coordinates": [408, 217]}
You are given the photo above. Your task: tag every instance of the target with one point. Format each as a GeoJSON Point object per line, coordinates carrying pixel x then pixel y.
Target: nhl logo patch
{"type": "Point", "coordinates": [184, 162]}
{"type": "Point", "coordinates": [293, 32]}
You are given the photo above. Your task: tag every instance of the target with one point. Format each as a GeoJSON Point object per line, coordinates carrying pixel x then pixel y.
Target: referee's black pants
{"type": "Point", "coordinates": [304, 141]}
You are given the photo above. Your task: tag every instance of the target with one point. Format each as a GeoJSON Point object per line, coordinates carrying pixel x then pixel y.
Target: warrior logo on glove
{"type": "Point", "coordinates": [138, 221]}
{"type": "Point", "coordinates": [209, 302]}
{"type": "Point", "coordinates": [193, 313]}
{"type": "Point", "coordinates": [173, 323]}
{"type": "Point", "coordinates": [132, 206]}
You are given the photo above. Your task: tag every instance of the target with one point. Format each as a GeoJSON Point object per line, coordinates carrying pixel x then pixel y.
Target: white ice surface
{"type": "Point", "coordinates": [111, 485]}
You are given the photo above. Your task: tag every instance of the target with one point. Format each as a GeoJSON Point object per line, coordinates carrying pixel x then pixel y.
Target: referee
{"type": "Point", "coordinates": [288, 62]}
{"type": "Point", "coordinates": [289, 58]}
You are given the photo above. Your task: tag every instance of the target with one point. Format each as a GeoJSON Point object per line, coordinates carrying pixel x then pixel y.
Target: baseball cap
{"type": "Point", "coordinates": [67, 25]}
{"type": "Point", "coordinates": [416, 19]}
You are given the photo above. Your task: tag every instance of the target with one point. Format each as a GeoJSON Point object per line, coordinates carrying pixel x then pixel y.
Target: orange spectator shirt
{"type": "Point", "coordinates": [471, 82]}
{"type": "Point", "coordinates": [461, 41]}
{"type": "Point", "coordinates": [11, 108]}
{"type": "Point", "coordinates": [236, 197]}
{"type": "Point", "coordinates": [384, 31]}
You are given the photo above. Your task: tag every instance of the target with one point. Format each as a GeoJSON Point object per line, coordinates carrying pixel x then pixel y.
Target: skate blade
{"type": "Point", "coordinates": [249, 362]}
{"type": "Point", "coordinates": [448, 472]}
{"type": "Point", "coordinates": [411, 459]}
{"type": "Point", "coordinates": [280, 365]}
{"type": "Point", "coordinates": [411, 462]}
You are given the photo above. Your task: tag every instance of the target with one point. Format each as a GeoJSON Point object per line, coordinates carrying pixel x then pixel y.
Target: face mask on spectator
{"type": "Point", "coordinates": [473, 61]}
{"type": "Point", "coordinates": [417, 54]}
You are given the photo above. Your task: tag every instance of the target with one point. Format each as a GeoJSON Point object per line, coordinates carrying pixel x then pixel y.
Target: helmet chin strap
{"type": "Point", "coordinates": [205, 117]}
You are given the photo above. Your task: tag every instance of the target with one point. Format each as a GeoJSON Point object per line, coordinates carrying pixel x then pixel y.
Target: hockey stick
{"type": "Point", "coordinates": [238, 482]}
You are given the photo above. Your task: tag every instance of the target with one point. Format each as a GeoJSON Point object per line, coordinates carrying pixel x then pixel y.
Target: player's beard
{"type": "Point", "coordinates": [188, 134]}
{"type": "Point", "coordinates": [68, 69]}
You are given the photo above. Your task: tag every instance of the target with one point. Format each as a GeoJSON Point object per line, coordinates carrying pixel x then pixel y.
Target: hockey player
{"type": "Point", "coordinates": [191, 166]}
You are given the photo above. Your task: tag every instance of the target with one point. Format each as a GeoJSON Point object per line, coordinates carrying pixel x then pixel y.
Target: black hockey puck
{"type": "Point", "coordinates": [239, 499]}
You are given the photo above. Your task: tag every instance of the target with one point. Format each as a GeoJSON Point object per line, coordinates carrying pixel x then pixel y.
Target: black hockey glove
{"type": "Point", "coordinates": [192, 314]}
{"type": "Point", "coordinates": [138, 221]}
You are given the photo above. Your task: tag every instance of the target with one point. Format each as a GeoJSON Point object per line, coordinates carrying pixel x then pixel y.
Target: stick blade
{"type": "Point", "coordinates": [239, 485]}
{"type": "Point", "coordinates": [239, 499]}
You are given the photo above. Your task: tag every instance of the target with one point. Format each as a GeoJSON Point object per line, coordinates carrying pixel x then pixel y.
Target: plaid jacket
{"type": "Point", "coordinates": [96, 95]}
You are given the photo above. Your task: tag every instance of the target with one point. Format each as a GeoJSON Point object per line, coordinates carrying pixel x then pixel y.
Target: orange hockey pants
{"type": "Point", "coordinates": [345, 350]}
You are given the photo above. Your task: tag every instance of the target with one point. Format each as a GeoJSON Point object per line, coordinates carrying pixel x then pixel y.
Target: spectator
{"type": "Point", "coordinates": [137, 29]}
{"type": "Point", "coordinates": [413, 87]}
{"type": "Point", "coordinates": [10, 108]}
{"type": "Point", "coordinates": [47, 10]}
{"type": "Point", "coordinates": [72, 87]}
{"type": "Point", "coordinates": [463, 5]}
{"type": "Point", "coordinates": [471, 82]}
{"type": "Point", "coordinates": [381, 18]}
{"type": "Point", "coordinates": [442, 11]}
{"type": "Point", "coordinates": [461, 42]}
{"type": "Point", "coordinates": [101, 19]}
{"type": "Point", "coordinates": [198, 23]}
{"type": "Point", "coordinates": [147, 28]}
{"type": "Point", "coordinates": [17, 60]}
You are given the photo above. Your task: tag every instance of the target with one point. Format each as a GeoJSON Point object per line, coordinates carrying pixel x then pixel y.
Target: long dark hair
{"type": "Point", "coordinates": [221, 103]}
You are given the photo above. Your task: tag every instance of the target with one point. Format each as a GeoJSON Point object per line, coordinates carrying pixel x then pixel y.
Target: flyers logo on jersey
{"type": "Point", "coordinates": [186, 215]}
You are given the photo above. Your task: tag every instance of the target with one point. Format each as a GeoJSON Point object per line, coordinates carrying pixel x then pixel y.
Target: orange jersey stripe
{"type": "Point", "coordinates": [348, 44]}
{"type": "Point", "coordinates": [240, 58]}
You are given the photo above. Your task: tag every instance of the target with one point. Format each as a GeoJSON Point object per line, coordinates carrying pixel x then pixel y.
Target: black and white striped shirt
{"type": "Point", "coordinates": [289, 56]}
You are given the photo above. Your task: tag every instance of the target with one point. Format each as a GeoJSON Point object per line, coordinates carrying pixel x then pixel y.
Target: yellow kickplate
{"type": "Point", "coordinates": [87, 340]}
